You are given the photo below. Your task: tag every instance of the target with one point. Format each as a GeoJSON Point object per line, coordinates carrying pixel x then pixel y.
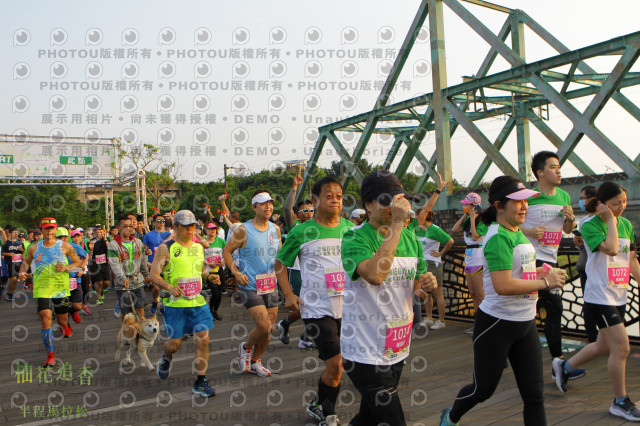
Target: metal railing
{"type": "Point", "coordinates": [460, 306]}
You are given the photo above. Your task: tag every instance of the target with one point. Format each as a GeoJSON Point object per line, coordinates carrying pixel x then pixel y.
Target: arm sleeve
{"type": "Point", "coordinates": [499, 253]}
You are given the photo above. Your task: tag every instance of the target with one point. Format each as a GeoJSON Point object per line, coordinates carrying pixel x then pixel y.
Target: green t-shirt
{"type": "Point", "coordinates": [430, 238]}
{"type": "Point", "coordinates": [129, 247]}
{"type": "Point", "coordinates": [509, 250]}
{"type": "Point", "coordinates": [607, 276]}
{"type": "Point", "coordinates": [214, 253]}
{"type": "Point", "coordinates": [362, 243]}
{"type": "Point", "coordinates": [545, 210]}
{"type": "Point", "coordinates": [481, 227]}
{"type": "Point", "coordinates": [185, 270]}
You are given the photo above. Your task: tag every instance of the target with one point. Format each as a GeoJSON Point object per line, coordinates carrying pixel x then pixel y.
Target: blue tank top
{"type": "Point", "coordinates": [259, 255]}
{"type": "Point", "coordinates": [47, 282]}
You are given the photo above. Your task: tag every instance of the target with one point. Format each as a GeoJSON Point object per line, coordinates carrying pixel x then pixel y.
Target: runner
{"type": "Point", "coordinates": [257, 242]}
{"type": "Point", "coordinates": [548, 216]}
{"type": "Point", "coordinates": [99, 266]}
{"type": "Point", "coordinates": [430, 237]}
{"type": "Point", "coordinates": [316, 245]}
{"type": "Point", "coordinates": [129, 268]}
{"type": "Point", "coordinates": [12, 251]}
{"type": "Point", "coordinates": [151, 242]}
{"type": "Point", "coordinates": [181, 263]}
{"type": "Point", "coordinates": [303, 211]}
{"type": "Point", "coordinates": [75, 276]}
{"type": "Point", "coordinates": [50, 281]}
{"type": "Point", "coordinates": [505, 325]}
{"type": "Point", "coordinates": [610, 242]}
{"type": "Point", "coordinates": [212, 263]}
{"type": "Point", "coordinates": [358, 216]}
{"type": "Point", "coordinates": [384, 263]}
{"type": "Point", "coordinates": [474, 231]}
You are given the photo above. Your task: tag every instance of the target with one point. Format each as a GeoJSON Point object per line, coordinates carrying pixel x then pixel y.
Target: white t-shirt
{"type": "Point", "coordinates": [503, 250]}
{"type": "Point", "coordinates": [545, 210]}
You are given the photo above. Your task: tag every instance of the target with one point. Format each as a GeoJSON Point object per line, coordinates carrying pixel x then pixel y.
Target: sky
{"type": "Point", "coordinates": [247, 85]}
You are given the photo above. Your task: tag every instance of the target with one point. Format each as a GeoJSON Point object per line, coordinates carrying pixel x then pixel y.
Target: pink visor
{"type": "Point", "coordinates": [523, 193]}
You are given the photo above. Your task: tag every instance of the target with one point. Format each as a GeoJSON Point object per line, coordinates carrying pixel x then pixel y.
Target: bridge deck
{"type": "Point", "coordinates": [141, 398]}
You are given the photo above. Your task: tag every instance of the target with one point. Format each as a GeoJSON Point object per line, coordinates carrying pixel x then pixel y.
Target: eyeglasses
{"type": "Point", "coordinates": [306, 211]}
{"type": "Point", "coordinates": [160, 221]}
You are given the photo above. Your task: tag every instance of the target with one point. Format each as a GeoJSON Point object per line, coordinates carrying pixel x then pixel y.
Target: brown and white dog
{"type": "Point", "coordinates": [142, 336]}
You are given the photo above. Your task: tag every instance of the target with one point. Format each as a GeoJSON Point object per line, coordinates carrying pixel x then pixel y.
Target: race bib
{"type": "Point", "coordinates": [73, 283]}
{"type": "Point", "coordinates": [468, 252]}
{"type": "Point", "coordinates": [334, 279]}
{"type": "Point", "coordinates": [101, 258]}
{"type": "Point", "coordinates": [216, 256]}
{"type": "Point", "coordinates": [190, 286]}
{"type": "Point", "coordinates": [618, 274]}
{"type": "Point", "coordinates": [398, 338]}
{"type": "Point", "coordinates": [16, 258]}
{"type": "Point", "coordinates": [550, 239]}
{"type": "Point", "coordinates": [529, 273]}
{"type": "Point", "coordinates": [265, 283]}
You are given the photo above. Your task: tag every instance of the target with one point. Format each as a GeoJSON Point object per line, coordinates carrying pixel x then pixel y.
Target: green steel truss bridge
{"type": "Point", "coordinates": [524, 93]}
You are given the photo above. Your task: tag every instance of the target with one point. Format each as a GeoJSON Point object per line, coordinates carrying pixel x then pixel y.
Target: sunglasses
{"type": "Point", "coordinates": [306, 211]}
{"type": "Point", "coordinates": [160, 221]}
{"type": "Point", "coordinates": [47, 221]}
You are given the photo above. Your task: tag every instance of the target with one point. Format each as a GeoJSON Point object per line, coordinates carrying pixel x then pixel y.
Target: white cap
{"type": "Point", "coordinates": [358, 213]}
{"type": "Point", "coordinates": [260, 198]}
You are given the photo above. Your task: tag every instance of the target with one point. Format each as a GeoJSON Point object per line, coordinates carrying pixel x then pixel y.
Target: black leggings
{"type": "Point", "coordinates": [493, 341]}
{"type": "Point", "coordinates": [216, 294]}
{"type": "Point", "coordinates": [552, 304]}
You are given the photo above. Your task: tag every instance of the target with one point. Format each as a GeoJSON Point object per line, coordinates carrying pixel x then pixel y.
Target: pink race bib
{"type": "Point", "coordinates": [334, 279]}
{"type": "Point", "coordinates": [398, 339]}
{"type": "Point", "coordinates": [529, 273]}
{"type": "Point", "coordinates": [101, 258]}
{"type": "Point", "coordinates": [551, 239]}
{"type": "Point", "coordinates": [16, 258]}
{"type": "Point", "coordinates": [265, 283]}
{"type": "Point", "coordinates": [73, 283]}
{"type": "Point", "coordinates": [618, 274]}
{"type": "Point", "coordinates": [190, 286]}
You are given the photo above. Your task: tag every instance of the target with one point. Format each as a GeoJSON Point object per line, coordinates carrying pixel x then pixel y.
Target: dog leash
{"type": "Point", "coordinates": [133, 308]}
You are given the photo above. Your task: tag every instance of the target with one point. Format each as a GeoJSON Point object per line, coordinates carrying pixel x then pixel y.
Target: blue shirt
{"type": "Point", "coordinates": [152, 240]}
{"type": "Point", "coordinates": [82, 254]}
{"type": "Point", "coordinates": [259, 255]}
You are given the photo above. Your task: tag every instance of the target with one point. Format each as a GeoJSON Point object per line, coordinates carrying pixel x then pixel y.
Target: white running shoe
{"type": "Point", "coordinates": [244, 361]}
{"type": "Point", "coordinates": [258, 369]}
{"type": "Point", "coordinates": [438, 325]}
{"type": "Point", "coordinates": [306, 344]}
{"type": "Point", "coordinates": [427, 322]}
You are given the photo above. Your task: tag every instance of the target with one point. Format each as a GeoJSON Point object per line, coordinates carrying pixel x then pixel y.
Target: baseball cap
{"type": "Point", "coordinates": [62, 232]}
{"type": "Point", "coordinates": [98, 226]}
{"type": "Point", "coordinates": [260, 198]}
{"type": "Point", "coordinates": [382, 186]}
{"type": "Point", "coordinates": [48, 222]}
{"type": "Point", "coordinates": [473, 199]}
{"type": "Point", "coordinates": [358, 213]}
{"type": "Point", "coordinates": [75, 232]}
{"type": "Point", "coordinates": [508, 187]}
{"type": "Point", "coordinates": [80, 229]}
{"type": "Point", "coordinates": [184, 217]}
{"type": "Point", "coordinates": [212, 225]}
{"type": "Point", "coordinates": [21, 235]}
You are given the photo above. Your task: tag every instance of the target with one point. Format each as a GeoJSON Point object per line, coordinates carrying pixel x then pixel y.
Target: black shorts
{"type": "Point", "coordinates": [58, 306]}
{"type": "Point", "coordinates": [325, 333]}
{"type": "Point", "coordinates": [13, 269]}
{"type": "Point", "coordinates": [137, 296]}
{"type": "Point", "coordinates": [250, 299]}
{"type": "Point", "coordinates": [605, 315]}
{"type": "Point", "coordinates": [100, 272]}
{"type": "Point", "coordinates": [76, 295]}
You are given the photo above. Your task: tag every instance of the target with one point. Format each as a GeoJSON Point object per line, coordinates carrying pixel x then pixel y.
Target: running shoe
{"type": "Point", "coordinates": [164, 367]}
{"type": "Point", "coordinates": [331, 420]}
{"type": "Point", "coordinates": [315, 411]}
{"type": "Point", "coordinates": [444, 418]}
{"type": "Point", "coordinates": [438, 325]}
{"type": "Point", "coordinates": [306, 344]}
{"type": "Point", "coordinates": [469, 330]}
{"type": "Point", "coordinates": [216, 316]}
{"type": "Point", "coordinates": [284, 331]}
{"type": "Point", "coordinates": [202, 388]}
{"type": "Point", "coordinates": [51, 359]}
{"type": "Point", "coordinates": [427, 322]}
{"type": "Point", "coordinates": [257, 368]}
{"type": "Point", "coordinates": [116, 311]}
{"type": "Point", "coordinates": [154, 307]}
{"type": "Point", "coordinates": [562, 377]}
{"type": "Point", "coordinates": [86, 310]}
{"type": "Point", "coordinates": [67, 331]}
{"type": "Point", "coordinates": [625, 409]}
{"type": "Point", "coordinates": [574, 375]}
{"type": "Point", "coordinates": [76, 317]}
{"type": "Point", "coordinates": [244, 361]}
{"type": "Point", "coordinates": [8, 297]}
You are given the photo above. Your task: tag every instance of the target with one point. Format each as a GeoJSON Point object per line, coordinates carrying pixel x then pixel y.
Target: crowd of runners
{"type": "Point", "coordinates": [358, 281]}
